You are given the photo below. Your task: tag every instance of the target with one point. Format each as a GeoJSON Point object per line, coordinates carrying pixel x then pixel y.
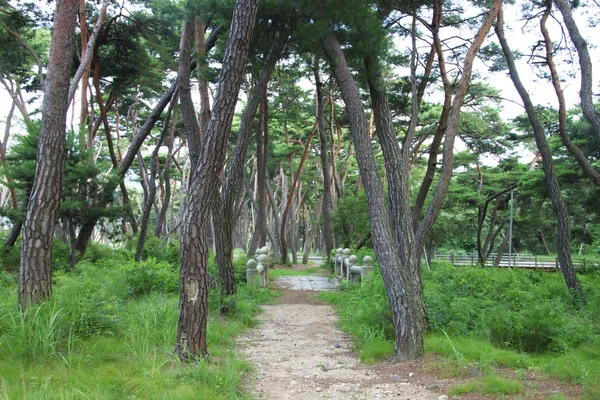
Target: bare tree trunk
{"type": "Point", "coordinates": [149, 201]}
{"type": "Point", "coordinates": [161, 222]}
{"type": "Point", "coordinates": [396, 244]}
{"type": "Point", "coordinates": [288, 204]}
{"type": "Point", "coordinates": [585, 66]}
{"type": "Point", "coordinates": [327, 204]}
{"type": "Point", "coordinates": [580, 157]}
{"type": "Point", "coordinates": [86, 230]}
{"type": "Point", "coordinates": [310, 237]}
{"type": "Point", "coordinates": [35, 274]}
{"type": "Point", "coordinates": [13, 193]}
{"type": "Point", "coordinates": [193, 304]}
{"type": "Point", "coordinates": [409, 339]}
{"type": "Point", "coordinates": [234, 182]}
{"type": "Point", "coordinates": [563, 242]}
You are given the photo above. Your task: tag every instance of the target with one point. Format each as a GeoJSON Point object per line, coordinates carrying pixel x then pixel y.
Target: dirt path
{"type": "Point", "coordinates": [299, 354]}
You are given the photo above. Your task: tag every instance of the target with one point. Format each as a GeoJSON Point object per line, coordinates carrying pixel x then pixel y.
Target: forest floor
{"type": "Point", "coordinates": [298, 353]}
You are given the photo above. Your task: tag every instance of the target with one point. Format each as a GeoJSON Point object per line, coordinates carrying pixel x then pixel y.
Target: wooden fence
{"type": "Point", "coordinates": [525, 261]}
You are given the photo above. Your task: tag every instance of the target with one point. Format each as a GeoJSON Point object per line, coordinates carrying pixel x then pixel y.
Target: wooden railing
{"type": "Point", "coordinates": [516, 260]}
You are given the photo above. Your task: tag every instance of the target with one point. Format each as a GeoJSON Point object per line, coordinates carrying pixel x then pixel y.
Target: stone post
{"type": "Point", "coordinates": [252, 273]}
{"type": "Point", "coordinates": [261, 270]}
{"type": "Point", "coordinates": [367, 267]}
{"type": "Point", "coordinates": [352, 261]}
{"type": "Point", "coordinates": [345, 255]}
{"type": "Point", "coordinates": [337, 261]}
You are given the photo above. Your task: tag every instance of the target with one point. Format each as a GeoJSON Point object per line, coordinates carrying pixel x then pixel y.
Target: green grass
{"type": "Point", "coordinates": [487, 318]}
{"type": "Point", "coordinates": [491, 384]}
{"type": "Point", "coordinates": [98, 339]}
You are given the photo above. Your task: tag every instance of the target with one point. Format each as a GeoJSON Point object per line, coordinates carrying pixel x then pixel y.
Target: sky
{"type": "Point", "coordinates": [521, 37]}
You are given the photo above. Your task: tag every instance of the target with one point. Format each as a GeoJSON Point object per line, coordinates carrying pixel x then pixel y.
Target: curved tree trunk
{"type": "Point", "coordinates": [585, 66]}
{"type": "Point", "coordinates": [326, 204]}
{"type": "Point", "coordinates": [409, 336]}
{"type": "Point", "coordinates": [162, 217]}
{"type": "Point", "coordinates": [147, 208]}
{"type": "Point", "coordinates": [563, 241]}
{"type": "Point", "coordinates": [87, 229]}
{"type": "Point", "coordinates": [580, 157]}
{"type": "Point", "coordinates": [193, 302]}
{"type": "Point", "coordinates": [225, 208]}
{"type": "Point", "coordinates": [35, 274]}
{"type": "Point", "coordinates": [396, 244]}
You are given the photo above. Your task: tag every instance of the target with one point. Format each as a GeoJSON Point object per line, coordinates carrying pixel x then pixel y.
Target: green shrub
{"type": "Point", "coordinates": [157, 249]}
{"type": "Point", "coordinates": [151, 276]}
{"type": "Point", "coordinates": [239, 269]}
{"type": "Point", "coordinates": [92, 300]}
{"type": "Point", "coordinates": [525, 310]}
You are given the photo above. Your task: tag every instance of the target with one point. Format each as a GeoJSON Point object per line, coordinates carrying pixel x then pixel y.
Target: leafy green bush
{"type": "Point", "coordinates": [155, 248]}
{"type": "Point", "coordinates": [150, 276]}
{"type": "Point", "coordinates": [239, 269]}
{"type": "Point", "coordinates": [92, 300]}
{"type": "Point", "coordinates": [525, 310]}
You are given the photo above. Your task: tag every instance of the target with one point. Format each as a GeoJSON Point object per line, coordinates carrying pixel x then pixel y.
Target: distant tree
{"type": "Point", "coordinates": [563, 242]}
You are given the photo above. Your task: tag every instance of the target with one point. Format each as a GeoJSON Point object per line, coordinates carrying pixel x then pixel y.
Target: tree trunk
{"type": "Point", "coordinates": [310, 237]}
{"type": "Point", "coordinates": [327, 225]}
{"type": "Point", "coordinates": [161, 222]}
{"type": "Point", "coordinates": [397, 246]}
{"type": "Point", "coordinates": [585, 66]}
{"type": "Point", "coordinates": [13, 193]}
{"type": "Point", "coordinates": [234, 183]}
{"type": "Point", "coordinates": [580, 157]}
{"type": "Point", "coordinates": [563, 241]}
{"type": "Point", "coordinates": [106, 198]}
{"type": "Point", "coordinates": [35, 274]}
{"type": "Point", "coordinates": [288, 204]}
{"type": "Point", "coordinates": [409, 337]}
{"type": "Point", "coordinates": [193, 303]}
{"type": "Point", "coordinates": [147, 207]}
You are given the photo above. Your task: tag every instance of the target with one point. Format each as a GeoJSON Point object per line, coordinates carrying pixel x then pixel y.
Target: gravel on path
{"type": "Point", "coordinates": [298, 353]}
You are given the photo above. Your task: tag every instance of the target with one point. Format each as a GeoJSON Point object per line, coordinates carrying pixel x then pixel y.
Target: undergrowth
{"type": "Point", "coordinates": [109, 332]}
{"type": "Point", "coordinates": [486, 318]}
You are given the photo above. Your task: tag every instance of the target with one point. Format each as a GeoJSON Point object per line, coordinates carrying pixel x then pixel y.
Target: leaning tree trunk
{"type": "Point", "coordinates": [585, 66]}
{"type": "Point", "coordinates": [233, 189]}
{"type": "Point", "coordinates": [107, 196]}
{"type": "Point", "coordinates": [193, 301]}
{"type": "Point", "coordinates": [149, 201]}
{"type": "Point", "coordinates": [35, 274]}
{"type": "Point", "coordinates": [409, 338]}
{"type": "Point", "coordinates": [563, 241]}
{"type": "Point", "coordinates": [327, 225]}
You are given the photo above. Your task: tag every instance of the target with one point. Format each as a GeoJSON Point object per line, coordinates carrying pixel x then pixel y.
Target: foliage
{"type": "Point", "coordinates": [109, 332]}
{"type": "Point", "coordinates": [490, 384]}
{"type": "Point", "coordinates": [526, 310]}
{"type": "Point", "coordinates": [351, 219]}
{"type": "Point", "coordinates": [487, 317]}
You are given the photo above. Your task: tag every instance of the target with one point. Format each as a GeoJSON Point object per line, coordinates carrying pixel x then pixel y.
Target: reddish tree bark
{"type": "Point", "coordinates": [35, 274]}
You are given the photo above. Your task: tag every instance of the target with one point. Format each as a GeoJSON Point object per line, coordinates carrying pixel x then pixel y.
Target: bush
{"type": "Point", "coordinates": [528, 311]}
{"type": "Point", "coordinates": [524, 310]}
{"type": "Point", "coordinates": [92, 300]}
{"type": "Point", "coordinates": [151, 276]}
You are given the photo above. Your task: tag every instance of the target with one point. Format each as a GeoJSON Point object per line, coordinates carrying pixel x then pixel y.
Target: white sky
{"type": "Point", "coordinates": [519, 39]}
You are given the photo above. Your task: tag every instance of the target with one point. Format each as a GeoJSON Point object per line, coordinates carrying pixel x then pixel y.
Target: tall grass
{"type": "Point", "coordinates": [109, 332]}
{"type": "Point", "coordinates": [482, 318]}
